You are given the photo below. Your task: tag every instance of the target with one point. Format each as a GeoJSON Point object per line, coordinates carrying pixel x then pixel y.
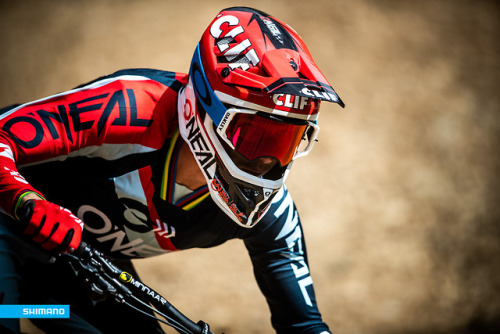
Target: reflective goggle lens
{"type": "Point", "coordinates": [255, 136]}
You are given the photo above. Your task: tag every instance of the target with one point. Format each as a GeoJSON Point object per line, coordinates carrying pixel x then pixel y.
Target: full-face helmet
{"type": "Point", "coordinates": [250, 108]}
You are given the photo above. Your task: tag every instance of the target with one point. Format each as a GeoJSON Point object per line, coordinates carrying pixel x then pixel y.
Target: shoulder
{"type": "Point", "coordinates": [172, 80]}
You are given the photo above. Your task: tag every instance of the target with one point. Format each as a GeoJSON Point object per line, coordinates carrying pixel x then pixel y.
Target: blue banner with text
{"type": "Point", "coordinates": [34, 311]}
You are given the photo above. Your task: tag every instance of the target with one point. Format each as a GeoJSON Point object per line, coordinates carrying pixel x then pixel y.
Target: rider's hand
{"type": "Point", "coordinates": [53, 227]}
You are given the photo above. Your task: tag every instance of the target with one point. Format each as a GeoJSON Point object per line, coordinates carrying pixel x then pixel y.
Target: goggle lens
{"type": "Point", "coordinates": [254, 136]}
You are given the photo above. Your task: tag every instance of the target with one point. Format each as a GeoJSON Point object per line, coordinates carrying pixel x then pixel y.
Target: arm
{"type": "Point", "coordinates": [281, 268]}
{"type": "Point", "coordinates": [48, 224]}
{"type": "Point", "coordinates": [110, 111]}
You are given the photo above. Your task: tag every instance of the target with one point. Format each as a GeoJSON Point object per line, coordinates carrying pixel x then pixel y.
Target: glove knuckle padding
{"type": "Point", "coordinates": [54, 227]}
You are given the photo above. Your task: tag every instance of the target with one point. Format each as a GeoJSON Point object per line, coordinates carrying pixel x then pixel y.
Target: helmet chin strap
{"type": "Point", "coordinates": [249, 198]}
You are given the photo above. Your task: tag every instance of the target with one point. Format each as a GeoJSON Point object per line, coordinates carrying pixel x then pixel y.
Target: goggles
{"type": "Point", "coordinates": [257, 134]}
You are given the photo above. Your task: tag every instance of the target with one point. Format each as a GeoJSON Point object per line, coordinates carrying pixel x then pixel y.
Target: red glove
{"type": "Point", "coordinates": [52, 226]}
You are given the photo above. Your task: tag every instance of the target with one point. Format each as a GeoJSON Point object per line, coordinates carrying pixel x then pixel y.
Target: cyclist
{"type": "Point", "coordinates": [143, 162]}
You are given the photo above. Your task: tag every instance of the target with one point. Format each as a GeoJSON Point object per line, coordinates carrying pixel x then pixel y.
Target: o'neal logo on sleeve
{"type": "Point", "coordinates": [92, 113]}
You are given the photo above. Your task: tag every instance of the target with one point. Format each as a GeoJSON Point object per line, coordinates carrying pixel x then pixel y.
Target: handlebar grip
{"type": "Point", "coordinates": [82, 249]}
{"type": "Point", "coordinates": [86, 253]}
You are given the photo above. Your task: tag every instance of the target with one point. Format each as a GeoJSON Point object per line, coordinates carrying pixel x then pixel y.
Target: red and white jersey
{"type": "Point", "coordinates": [131, 111]}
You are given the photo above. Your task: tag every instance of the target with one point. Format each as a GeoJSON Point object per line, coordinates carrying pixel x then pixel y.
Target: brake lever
{"type": "Point", "coordinates": [104, 279]}
{"type": "Point", "coordinates": [95, 270]}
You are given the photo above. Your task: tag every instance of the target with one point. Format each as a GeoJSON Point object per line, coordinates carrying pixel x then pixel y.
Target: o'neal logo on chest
{"type": "Point", "coordinates": [133, 238]}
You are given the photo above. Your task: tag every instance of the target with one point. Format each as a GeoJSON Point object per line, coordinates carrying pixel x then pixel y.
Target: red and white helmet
{"type": "Point", "coordinates": [250, 108]}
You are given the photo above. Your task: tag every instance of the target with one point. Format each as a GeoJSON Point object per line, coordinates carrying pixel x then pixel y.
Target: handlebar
{"type": "Point", "coordinates": [104, 280]}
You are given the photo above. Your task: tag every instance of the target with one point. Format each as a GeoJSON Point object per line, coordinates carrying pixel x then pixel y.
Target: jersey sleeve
{"type": "Point", "coordinates": [279, 259]}
{"type": "Point", "coordinates": [126, 108]}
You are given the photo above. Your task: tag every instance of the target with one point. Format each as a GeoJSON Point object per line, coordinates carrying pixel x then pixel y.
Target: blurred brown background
{"type": "Point", "coordinates": [399, 198]}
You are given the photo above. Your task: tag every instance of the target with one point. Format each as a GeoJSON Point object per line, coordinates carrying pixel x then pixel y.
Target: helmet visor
{"type": "Point", "coordinates": [257, 134]}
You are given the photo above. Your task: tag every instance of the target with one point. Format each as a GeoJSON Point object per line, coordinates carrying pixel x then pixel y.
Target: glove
{"type": "Point", "coordinates": [53, 227]}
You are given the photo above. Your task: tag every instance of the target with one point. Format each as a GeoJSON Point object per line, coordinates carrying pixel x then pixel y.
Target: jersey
{"type": "Point", "coordinates": [108, 151]}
